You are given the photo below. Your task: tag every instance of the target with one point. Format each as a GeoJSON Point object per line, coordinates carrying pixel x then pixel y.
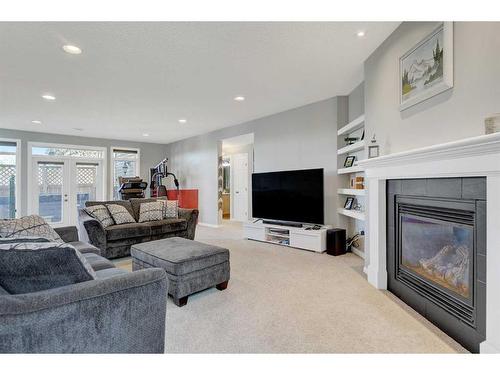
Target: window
{"type": "Point", "coordinates": [125, 164]}
{"type": "Point", "coordinates": [9, 174]}
{"type": "Point", "coordinates": [67, 151]}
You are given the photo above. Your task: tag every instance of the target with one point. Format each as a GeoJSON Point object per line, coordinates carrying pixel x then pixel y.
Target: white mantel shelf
{"type": "Point", "coordinates": [477, 156]}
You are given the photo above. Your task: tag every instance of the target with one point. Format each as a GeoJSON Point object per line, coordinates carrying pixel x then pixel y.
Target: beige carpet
{"type": "Point", "coordinates": [283, 300]}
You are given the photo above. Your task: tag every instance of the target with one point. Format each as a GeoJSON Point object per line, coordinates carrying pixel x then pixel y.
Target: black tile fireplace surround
{"type": "Point", "coordinates": [436, 252]}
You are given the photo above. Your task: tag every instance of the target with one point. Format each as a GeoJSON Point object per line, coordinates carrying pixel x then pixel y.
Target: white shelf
{"type": "Point", "coordinates": [355, 124]}
{"type": "Point", "coordinates": [351, 191]}
{"type": "Point", "coordinates": [360, 145]}
{"type": "Point", "coordinates": [359, 252]}
{"type": "Point", "coordinates": [359, 215]}
{"type": "Point", "coordinates": [354, 169]}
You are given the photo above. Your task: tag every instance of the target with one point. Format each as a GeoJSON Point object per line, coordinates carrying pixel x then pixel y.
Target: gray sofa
{"type": "Point", "coordinates": [118, 312]}
{"type": "Point", "coordinates": [115, 241]}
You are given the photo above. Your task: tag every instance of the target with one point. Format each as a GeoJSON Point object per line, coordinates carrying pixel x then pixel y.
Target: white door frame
{"type": "Point", "coordinates": [71, 163]}
{"type": "Point", "coordinates": [17, 203]}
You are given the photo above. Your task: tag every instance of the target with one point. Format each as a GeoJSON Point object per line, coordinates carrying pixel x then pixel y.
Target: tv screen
{"type": "Point", "coordinates": [289, 196]}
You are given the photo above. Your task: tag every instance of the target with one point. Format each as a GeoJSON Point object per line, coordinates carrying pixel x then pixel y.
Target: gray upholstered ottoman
{"type": "Point", "coordinates": [191, 266]}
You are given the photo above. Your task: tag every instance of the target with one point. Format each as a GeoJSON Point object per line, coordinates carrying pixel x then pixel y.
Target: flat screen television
{"type": "Point", "coordinates": [293, 196]}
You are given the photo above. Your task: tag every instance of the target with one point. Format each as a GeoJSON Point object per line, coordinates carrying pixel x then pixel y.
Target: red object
{"type": "Point", "coordinates": [188, 198]}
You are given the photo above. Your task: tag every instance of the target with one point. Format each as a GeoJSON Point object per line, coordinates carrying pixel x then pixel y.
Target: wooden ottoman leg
{"type": "Point", "coordinates": [222, 285]}
{"type": "Point", "coordinates": [180, 301]}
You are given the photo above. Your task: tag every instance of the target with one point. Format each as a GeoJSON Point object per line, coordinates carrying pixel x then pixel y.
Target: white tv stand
{"type": "Point", "coordinates": [301, 238]}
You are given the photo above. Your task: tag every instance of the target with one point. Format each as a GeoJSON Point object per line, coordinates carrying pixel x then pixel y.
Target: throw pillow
{"type": "Point", "coordinates": [101, 214]}
{"type": "Point", "coordinates": [30, 267]}
{"type": "Point", "coordinates": [28, 226]}
{"type": "Point", "coordinates": [171, 210]}
{"type": "Point", "coordinates": [151, 211]}
{"type": "Point", "coordinates": [120, 214]}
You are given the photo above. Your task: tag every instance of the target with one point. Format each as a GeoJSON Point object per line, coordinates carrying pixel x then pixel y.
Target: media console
{"type": "Point", "coordinates": [299, 237]}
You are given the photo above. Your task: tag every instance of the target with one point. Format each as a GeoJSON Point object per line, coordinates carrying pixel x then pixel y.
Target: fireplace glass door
{"type": "Point", "coordinates": [439, 252]}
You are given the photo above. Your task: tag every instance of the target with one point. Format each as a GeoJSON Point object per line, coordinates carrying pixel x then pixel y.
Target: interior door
{"type": "Point", "coordinates": [51, 187]}
{"type": "Point", "coordinates": [239, 196]}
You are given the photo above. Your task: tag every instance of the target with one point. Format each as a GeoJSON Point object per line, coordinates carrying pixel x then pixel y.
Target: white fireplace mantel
{"type": "Point", "coordinates": [477, 156]}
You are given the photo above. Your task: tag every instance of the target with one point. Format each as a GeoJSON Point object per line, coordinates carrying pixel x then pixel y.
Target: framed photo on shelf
{"type": "Point", "coordinates": [349, 161]}
{"type": "Point", "coordinates": [348, 203]}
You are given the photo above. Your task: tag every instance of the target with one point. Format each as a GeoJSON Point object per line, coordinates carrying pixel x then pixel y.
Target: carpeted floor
{"type": "Point", "coordinates": [283, 300]}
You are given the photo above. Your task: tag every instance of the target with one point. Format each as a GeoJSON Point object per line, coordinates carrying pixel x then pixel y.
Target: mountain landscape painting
{"type": "Point", "coordinates": [422, 69]}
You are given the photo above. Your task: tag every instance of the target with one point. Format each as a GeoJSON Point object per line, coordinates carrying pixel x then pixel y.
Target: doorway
{"type": "Point", "coordinates": [235, 176]}
{"type": "Point", "coordinates": [61, 182]}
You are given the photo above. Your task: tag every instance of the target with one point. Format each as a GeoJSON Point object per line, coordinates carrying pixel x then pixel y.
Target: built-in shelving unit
{"type": "Point", "coordinates": [354, 125]}
{"type": "Point", "coordinates": [360, 145]}
{"type": "Point", "coordinates": [354, 218]}
{"type": "Point", "coordinates": [351, 191]}
{"type": "Point", "coordinates": [350, 170]}
{"type": "Point", "coordinates": [355, 214]}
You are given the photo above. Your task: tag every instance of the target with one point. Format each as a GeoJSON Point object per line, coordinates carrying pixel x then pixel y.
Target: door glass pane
{"type": "Point", "coordinates": [7, 180]}
{"type": "Point", "coordinates": [50, 191]}
{"type": "Point", "coordinates": [86, 184]}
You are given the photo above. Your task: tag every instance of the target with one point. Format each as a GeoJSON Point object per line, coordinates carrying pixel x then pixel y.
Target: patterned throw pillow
{"type": "Point", "coordinates": [171, 210]}
{"type": "Point", "coordinates": [101, 214]}
{"type": "Point", "coordinates": [28, 226]}
{"type": "Point", "coordinates": [30, 267]}
{"type": "Point", "coordinates": [151, 211]}
{"type": "Point", "coordinates": [120, 214]}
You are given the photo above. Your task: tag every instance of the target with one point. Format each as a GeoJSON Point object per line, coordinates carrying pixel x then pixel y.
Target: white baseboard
{"type": "Point", "coordinates": [208, 225]}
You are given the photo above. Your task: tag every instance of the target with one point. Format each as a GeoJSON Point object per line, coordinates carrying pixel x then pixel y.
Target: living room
{"type": "Point", "coordinates": [322, 187]}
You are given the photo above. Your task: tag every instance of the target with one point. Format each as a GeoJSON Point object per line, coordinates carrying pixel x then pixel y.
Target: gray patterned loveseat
{"type": "Point", "coordinates": [55, 299]}
{"type": "Point", "coordinates": [115, 241]}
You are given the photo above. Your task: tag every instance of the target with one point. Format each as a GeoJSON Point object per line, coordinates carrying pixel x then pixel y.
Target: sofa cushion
{"type": "Point", "coordinates": [84, 247]}
{"type": "Point", "coordinates": [136, 205]}
{"type": "Point", "coordinates": [151, 211]}
{"type": "Point", "coordinates": [167, 226]}
{"type": "Point", "coordinates": [22, 239]}
{"type": "Point", "coordinates": [118, 232]}
{"type": "Point", "coordinates": [101, 213]}
{"type": "Point", "coordinates": [120, 214]}
{"type": "Point", "coordinates": [97, 262]}
{"type": "Point", "coordinates": [171, 209]}
{"type": "Point", "coordinates": [31, 267]}
{"type": "Point", "coordinates": [123, 203]}
{"type": "Point", "coordinates": [110, 272]}
{"type": "Point", "coordinates": [28, 226]}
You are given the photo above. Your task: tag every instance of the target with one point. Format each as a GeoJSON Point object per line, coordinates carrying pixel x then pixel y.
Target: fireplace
{"type": "Point", "coordinates": [436, 233]}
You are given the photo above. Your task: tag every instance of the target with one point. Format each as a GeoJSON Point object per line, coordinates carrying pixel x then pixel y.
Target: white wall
{"type": "Point", "coordinates": [300, 138]}
{"type": "Point", "coordinates": [455, 114]}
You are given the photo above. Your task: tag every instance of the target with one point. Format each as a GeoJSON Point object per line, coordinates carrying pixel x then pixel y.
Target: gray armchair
{"type": "Point", "coordinates": [118, 312]}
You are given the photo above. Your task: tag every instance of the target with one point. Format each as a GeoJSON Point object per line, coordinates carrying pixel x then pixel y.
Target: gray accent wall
{"type": "Point", "coordinates": [300, 138]}
{"type": "Point", "coordinates": [151, 154]}
{"type": "Point", "coordinates": [455, 114]}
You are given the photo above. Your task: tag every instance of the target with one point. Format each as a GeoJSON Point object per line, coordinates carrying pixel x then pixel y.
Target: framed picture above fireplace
{"type": "Point", "coordinates": [427, 68]}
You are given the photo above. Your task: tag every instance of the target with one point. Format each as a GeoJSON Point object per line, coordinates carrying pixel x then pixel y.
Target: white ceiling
{"type": "Point", "coordinates": [136, 78]}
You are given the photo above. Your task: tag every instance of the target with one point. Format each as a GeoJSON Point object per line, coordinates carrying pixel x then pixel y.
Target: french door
{"type": "Point", "coordinates": [60, 186]}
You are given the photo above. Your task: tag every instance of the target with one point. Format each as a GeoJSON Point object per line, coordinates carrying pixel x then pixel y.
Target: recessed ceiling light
{"type": "Point", "coordinates": [239, 98]}
{"type": "Point", "coordinates": [145, 134]}
{"type": "Point", "coordinates": [183, 120]}
{"type": "Point", "coordinates": [360, 33]}
{"type": "Point", "coordinates": [38, 122]}
{"type": "Point", "coordinates": [48, 97]}
{"type": "Point", "coordinates": [74, 50]}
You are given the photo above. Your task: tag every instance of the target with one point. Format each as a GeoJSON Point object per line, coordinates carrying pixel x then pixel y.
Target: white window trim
{"type": "Point", "coordinates": [112, 164]}
{"type": "Point", "coordinates": [17, 202]}
{"type": "Point", "coordinates": [103, 160]}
